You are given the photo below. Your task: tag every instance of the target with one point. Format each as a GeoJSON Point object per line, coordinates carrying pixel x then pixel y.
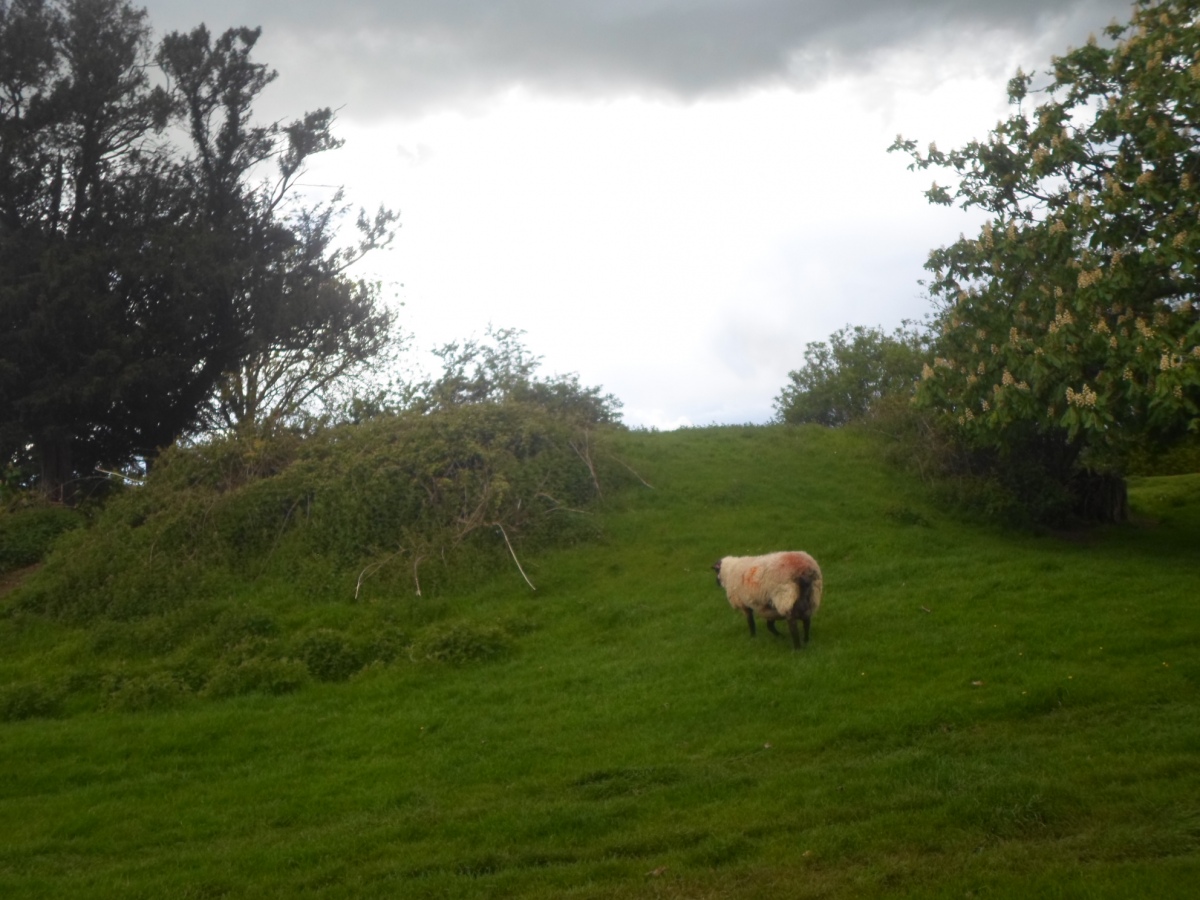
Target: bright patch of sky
{"type": "Point", "coordinates": [674, 234]}
{"type": "Point", "coordinates": [681, 255]}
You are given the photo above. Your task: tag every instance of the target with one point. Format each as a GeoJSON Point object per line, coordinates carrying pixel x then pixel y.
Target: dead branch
{"type": "Point", "coordinates": [372, 569]}
{"type": "Point", "coordinates": [558, 505]}
{"type": "Point", "coordinates": [476, 517]}
{"type": "Point", "coordinates": [416, 577]}
{"type": "Point", "coordinates": [132, 478]}
{"type": "Point", "coordinates": [586, 455]}
{"type": "Point", "coordinates": [514, 556]}
{"type": "Point", "coordinates": [632, 470]}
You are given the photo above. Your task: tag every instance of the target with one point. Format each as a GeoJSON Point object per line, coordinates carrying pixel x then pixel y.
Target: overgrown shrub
{"type": "Point", "coordinates": [1182, 458]}
{"type": "Point", "coordinates": [414, 500]}
{"type": "Point", "coordinates": [236, 626]}
{"type": "Point", "coordinates": [27, 534]}
{"type": "Point", "coordinates": [843, 380]}
{"type": "Point", "coordinates": [28, 700]}
{"type": "Point", "coordinates": [151, 690]}
{"type": "Point", "coordinates": [329, 655]}
{"type": "Point", "coordinates": [257, 675]}
{"type": "Point", "coordinates": [1028, 490]}
{"type": "Point", "coordinates": [421, 485]}
{"type": "Point", "coordinates": [461, 643]}
{"type": "Point", "coordinates": [1034, 477]}
{"type": "Point", "coordinates": [499, 369]}
{"type": "Point", "coordinates": [419, 501]}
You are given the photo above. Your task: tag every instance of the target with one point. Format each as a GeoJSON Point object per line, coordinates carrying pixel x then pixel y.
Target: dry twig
{"type": "Point", "coordinates": [514, 556]}
{"type": "Point", "coordinates": [586, 455]}
{"type": "Point", "coordinates": [632, 470]}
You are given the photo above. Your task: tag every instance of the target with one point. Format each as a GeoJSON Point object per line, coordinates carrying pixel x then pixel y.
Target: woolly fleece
{"type": "Point", "coordinates": [768, 584]}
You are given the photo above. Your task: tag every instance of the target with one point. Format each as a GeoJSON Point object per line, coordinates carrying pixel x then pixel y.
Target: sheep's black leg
{"type": "Point", "coordinates": [771, 628]}
{"type": "Point", "coordinates": [750, 620]}
{"type": "Point", "coordinates": [796, 633]}
{"type": "Point", "coordinates": [806, 620]}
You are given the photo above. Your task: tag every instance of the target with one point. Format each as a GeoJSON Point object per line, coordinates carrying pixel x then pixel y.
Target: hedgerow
{"type": "Point", "coordinates": [410, 502]}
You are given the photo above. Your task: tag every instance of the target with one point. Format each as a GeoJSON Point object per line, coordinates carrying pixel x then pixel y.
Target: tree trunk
{"type": "Point", "coordinates": [1100, 497]}
{"type": "Point", "coordinates": [57, 481]}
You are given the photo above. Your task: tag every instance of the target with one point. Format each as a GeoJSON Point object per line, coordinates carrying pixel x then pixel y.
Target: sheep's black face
{"type": "Point", "coordinates": [716, 567]}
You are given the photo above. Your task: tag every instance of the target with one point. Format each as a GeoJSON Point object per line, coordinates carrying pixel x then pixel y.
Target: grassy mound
{"type": "Point", "coordinates": [257, 565]}
{"type": "Point", "coordinates": [978, 713]}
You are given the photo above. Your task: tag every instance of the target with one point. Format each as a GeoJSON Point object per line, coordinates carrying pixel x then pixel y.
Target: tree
{"type": "Point", "coordinates": [500, 368]}
{"type": "Point", "coordinates": [843, 379]}
{"type": "Point", "coordinates": [1067, 333]}
{"type": "Point", "coordinates": [145, 250]}
{"type": "Point", "coordinates": [76, 115]}
{"type": "Point", "coordinates": [325, 330]}
{"type": "Point", "coordinates": [307, 325]}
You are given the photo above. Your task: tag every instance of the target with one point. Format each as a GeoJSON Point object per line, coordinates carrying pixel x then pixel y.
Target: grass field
{"type": "Point", "coordinates": [979, 714]}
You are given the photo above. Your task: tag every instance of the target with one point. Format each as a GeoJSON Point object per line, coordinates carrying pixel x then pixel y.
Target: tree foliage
{"type": "Point", "coordinates": [326, 331]}
{"type": "Point", "coordinates": [149, 246]}
{"type": "Point", "coordinates": [500, 368]}
{"type": "Point", "coordinates": [1069, 327]}
{"type": "Point", "coordinates": [843, 379]}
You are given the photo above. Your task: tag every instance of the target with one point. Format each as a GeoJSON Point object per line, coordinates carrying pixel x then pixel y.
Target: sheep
{"type": "Point", "coordinates": [784, 585]}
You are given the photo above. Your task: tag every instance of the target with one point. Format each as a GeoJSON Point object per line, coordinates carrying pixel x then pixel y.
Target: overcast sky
{"type": "Point", "coordinates": [671, 197]}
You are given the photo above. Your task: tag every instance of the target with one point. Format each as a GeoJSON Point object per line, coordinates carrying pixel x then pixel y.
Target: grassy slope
{"type": "Point", "coordinates": [977, 712]}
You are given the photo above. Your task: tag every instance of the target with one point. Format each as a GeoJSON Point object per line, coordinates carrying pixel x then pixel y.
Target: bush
{"type": "Point", "coordinates": [28, 700]}
{"type": "Point", "coordinates": [235, 626]}
{"type": "Point", "coordinates": [329, 655]}
{"type": "Point", "coordinates": [843, 380]}
{"type": "Point", "coordinates": [257, 675]}
{"type": "Point", "coordinates": [401, 502]}
{"type": "Point", "coordinates": [462, 643]}
{"type": "Point", "coordinates": [26, 535]}
{"type": "Point", "coordinates": [1026, 490]}
{"type": "Point", "coordinates": [421, 498]}
{"type": "Point", "coordinates": [135, 693]}
{"type": "Point", "coordinates": [498, 370]}
{"type": "Point", "coordinates": [1182, 458]}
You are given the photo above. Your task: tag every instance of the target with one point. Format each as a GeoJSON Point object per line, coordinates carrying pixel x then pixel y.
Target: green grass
{"type": "Point", "coordinates": [978, 714]}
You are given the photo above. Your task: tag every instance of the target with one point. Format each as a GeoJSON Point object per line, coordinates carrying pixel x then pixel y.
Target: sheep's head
{"type": "Point", "coordinates": [716, 567]}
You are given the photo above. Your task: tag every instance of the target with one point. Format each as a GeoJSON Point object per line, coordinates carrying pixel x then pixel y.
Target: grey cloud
{"type": "Point", "coordinates": [421, 53]}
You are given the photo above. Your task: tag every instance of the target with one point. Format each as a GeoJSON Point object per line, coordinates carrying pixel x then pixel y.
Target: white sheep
{"type": "Point", "coordinates": [784, 585]}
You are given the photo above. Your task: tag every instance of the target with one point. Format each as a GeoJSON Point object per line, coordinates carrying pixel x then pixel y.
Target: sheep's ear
{"type": "Point", "coordinates": [717, 567]}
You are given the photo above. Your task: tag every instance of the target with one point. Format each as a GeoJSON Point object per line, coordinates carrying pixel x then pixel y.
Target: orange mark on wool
{"type": "Point", "coordinates": [794, 562]}
{"type": "Point", "coordinates": [752, 578]}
